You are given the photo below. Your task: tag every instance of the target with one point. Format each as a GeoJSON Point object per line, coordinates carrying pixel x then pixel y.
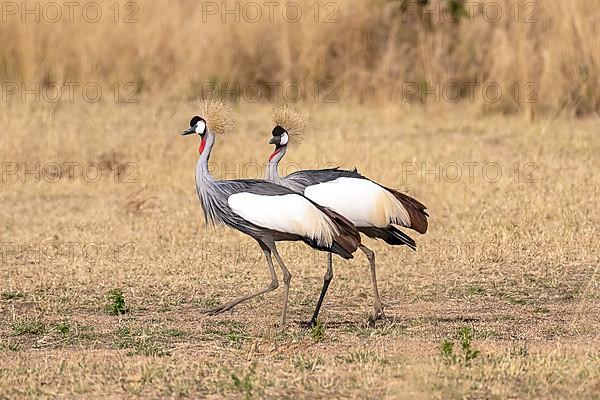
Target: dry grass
{"type": "Point", "coordinates": [516, 261]}
{"type": "Point", "coordinates": [545, 55]}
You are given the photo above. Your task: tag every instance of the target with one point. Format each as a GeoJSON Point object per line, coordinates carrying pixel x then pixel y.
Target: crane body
{"type": "Point", "coordinates": [264, 210]}
{"type": "Point", "coordinates": [374, 209]}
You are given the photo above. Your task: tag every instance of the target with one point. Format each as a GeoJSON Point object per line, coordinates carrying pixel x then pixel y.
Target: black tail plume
{"type": "Point", "coordinates": [397, 237]}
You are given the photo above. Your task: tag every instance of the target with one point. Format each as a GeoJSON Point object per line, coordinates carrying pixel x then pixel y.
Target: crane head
{"type": "Point", "coordinates": [280, 137]}
{"type": "Point", "coordinates": [197, 125]}
{"type": "Point", "coordinates": [289, 126]}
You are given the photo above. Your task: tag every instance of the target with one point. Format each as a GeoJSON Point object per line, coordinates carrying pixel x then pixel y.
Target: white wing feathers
{"type": "Point", "coordinates": [290, 213]}
{"type": "Point", "coordinates": [363, 202]}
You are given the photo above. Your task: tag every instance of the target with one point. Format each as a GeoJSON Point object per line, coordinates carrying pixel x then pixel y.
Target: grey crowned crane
{"type": "Point", "coordinates": [263, 210]}
{"type": "Point", "coordinates": [374, 209]}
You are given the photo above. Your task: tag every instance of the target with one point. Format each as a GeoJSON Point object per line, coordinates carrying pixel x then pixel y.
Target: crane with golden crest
{"type": "Point", "coordinates": [377, 211]}
{"type": "Point", "coordinates": [263, 210]}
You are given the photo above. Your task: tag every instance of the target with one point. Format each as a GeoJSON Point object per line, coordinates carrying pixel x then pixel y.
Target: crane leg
{"type": "Point", "coordinates": [326, 281]}
{"type": "Point", "coordinates": [272, 286]}
{"type": "Point", "coordinates": [378, 312]}
{"type": "Point", "coordinates": [287, 278]}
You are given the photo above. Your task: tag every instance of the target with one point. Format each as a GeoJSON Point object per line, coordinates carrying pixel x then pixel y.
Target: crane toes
{"type": "Point", "coordinates": [217, 310]}
{"type": "Point", "coordinates": [311, 324]}
{"type": "Point", "coordinates": [377, 316]}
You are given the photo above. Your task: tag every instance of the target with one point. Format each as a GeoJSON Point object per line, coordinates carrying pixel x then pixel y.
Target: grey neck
{"type": "Point", "coordinates": [202, 173]}
{"type": "Point", "coordinates": [214, 201]}
{"type": "Point", "coordinates": [272, 173]}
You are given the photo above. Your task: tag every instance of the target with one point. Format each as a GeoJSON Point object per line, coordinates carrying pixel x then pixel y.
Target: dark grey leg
{"type": "Point", "coordinates": [326, 281]}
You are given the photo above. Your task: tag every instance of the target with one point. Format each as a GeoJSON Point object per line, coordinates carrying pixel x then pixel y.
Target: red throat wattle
{"type": "Point", "coordinates": [202, 145]}
{"type": "Point", "coordinates": [275, 153]}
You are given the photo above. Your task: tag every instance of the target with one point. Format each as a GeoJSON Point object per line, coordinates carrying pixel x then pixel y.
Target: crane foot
{"type": "Point", "coordinates": [377, 316]}
{"type": "Point", "coordinates": [311, 324]}
{"type": "Point", "coordinates": [218, 310]}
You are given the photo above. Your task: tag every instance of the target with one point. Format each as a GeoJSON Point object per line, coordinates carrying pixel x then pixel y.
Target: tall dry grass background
{"type": "Point", "coordinates": [367, 49]}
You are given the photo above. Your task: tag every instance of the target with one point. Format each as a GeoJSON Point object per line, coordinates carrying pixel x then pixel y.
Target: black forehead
{"type": "Point", "coordinates": [278, 131]}
{"type": "Point", "coordinates": [195, 120]}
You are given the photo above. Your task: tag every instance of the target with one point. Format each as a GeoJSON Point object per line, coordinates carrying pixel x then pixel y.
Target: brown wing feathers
{"type": "Point", "coordinates": [348, 238]}
{"type": "Point", "coordinates": [416, 211]}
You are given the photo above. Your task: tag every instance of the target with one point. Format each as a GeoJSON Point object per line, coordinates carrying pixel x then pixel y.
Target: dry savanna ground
{"type": "Point", "coordinates": [500, 301]}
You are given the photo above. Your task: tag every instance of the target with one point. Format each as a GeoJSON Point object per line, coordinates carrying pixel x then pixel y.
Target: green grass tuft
{"type": "Point", "coordinates": [465, 337]}
{"type": "Point", "coordinates": [33, 327]}
{"type": "Point", "coordinates": [116, 303]}
{"type": "Point", "coordinates": [317, 332]}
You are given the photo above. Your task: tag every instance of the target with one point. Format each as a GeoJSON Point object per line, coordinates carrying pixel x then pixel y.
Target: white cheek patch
{"type": "Point", "coordinates": [284, 139]}
{"type": "Point", "coordinates": [200, 127]}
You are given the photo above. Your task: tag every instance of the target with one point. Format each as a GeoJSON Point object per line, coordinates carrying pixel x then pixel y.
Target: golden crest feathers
{"type": "Point", "coordinates": [218, 116]}
{"type": "Point", "coordinates": [292, 121]}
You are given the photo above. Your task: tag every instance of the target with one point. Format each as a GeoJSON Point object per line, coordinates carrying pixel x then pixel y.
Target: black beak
{"type": "Point", "coordinates": [189, 131]}
{"type": "Point", "coordinates": [274, 140]}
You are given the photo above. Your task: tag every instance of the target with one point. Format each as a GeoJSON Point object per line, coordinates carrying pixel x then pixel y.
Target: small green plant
{"type": "Point", "coordinates": [116, 303]}
{"type": "Point", "coordinates": [317, 332]}
{"type": "Point", "coordinates": [465, 336]}
{"type": "Point", "coordinates": [447, 350]}
{"type": "Point", "coordinates": [63, 328]}
{"type": "Point", "coordinates": [29, 328]}
{"type": "Point", "coordinates": [244, 384]}
{"type": "Point", "coordinates": [476, 290]}
{"type": "Point", "coordinates": [12, 346]}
